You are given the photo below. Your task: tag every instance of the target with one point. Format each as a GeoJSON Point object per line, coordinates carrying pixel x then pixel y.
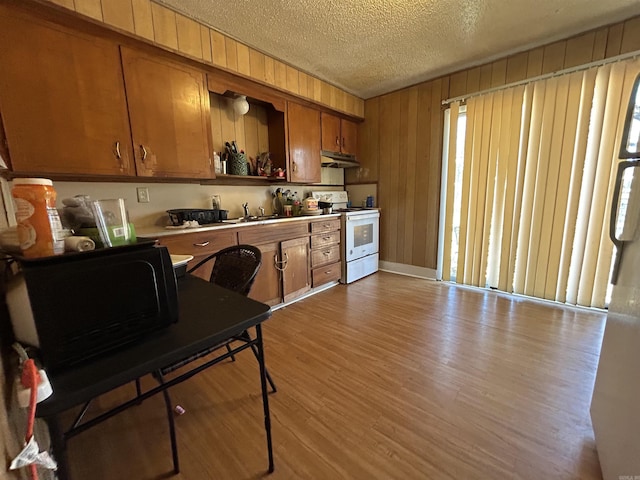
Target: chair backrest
{"type": "Point", "coordinates": [235, 267]}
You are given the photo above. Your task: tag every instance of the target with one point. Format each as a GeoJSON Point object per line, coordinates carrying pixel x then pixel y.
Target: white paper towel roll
{"type": "Point", "coordinates": [78, 244]}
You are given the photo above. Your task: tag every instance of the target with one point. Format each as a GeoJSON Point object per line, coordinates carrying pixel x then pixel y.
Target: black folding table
{"type": "Point", "coordinates": [209, 316]}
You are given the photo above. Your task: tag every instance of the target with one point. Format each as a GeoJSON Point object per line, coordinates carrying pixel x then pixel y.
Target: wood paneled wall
{"type": "Point", "coordinates": [401, 137]}
{"type": "Point", "coordinates": [173, 31]}
{"type": "Point", "coordinates": [250, 131]}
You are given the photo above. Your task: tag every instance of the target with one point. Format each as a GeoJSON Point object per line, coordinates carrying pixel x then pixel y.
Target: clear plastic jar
{"type": "Point", "coordinates": [39, 227]}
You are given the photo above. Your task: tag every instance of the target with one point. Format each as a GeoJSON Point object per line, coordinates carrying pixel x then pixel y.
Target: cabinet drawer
{"type": "Point", "coordinates": [324, 239]}
{"type": "Point", "coordinates": [325, 225]}
{"type": "Point", "coordinates": [273, 233]}
{"type": "Point", "coordinates": [324, 256]}
{"type": "Point", "coordinates": [200, 243]}
{"type": "Point", "coordinates": [328, 273]}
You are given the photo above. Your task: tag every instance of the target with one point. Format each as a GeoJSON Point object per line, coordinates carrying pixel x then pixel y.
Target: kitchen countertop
{"type": "Point", "coordinates": [156, 231]}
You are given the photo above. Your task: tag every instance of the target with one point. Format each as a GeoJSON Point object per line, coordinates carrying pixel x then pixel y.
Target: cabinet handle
{"type": "Point", "coordinates": [118, 154]}
{"type": "Point", "coordinates": [326, 238]}
{"type": "Point", "coordinates": [144, 152]}
{"type": "Point", "coordinates": [295, 167]}
{"type": "Point", "coordinates": [284, 262]}
{"type": "Point", "coordinates": [337, 141]}
{"type": "Point", "coordinates": [343, 142]}
{"type": "Point", "coordinates": [327, 272]}
{"type": "Point", "coordinates": [326, 254]}
{"type": "Point", "coordinates": [203, 244]}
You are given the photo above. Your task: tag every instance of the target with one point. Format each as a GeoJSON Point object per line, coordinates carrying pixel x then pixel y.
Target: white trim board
{"type": "Point", "coordinates": [408, 270]}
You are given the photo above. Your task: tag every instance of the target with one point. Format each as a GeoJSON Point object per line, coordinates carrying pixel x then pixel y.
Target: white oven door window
{"type": "Point", "coordinates": [362, 235]}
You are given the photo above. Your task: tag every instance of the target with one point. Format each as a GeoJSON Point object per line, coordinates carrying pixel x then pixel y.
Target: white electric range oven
{"type": "Point", "coordinates": [359, 236]}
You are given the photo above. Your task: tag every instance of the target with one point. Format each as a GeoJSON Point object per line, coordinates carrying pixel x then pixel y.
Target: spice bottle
{"type": "Point", "coordinates": [39, 227]}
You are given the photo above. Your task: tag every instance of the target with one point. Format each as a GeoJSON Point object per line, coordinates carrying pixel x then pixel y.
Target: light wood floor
{"type": "Point", "coordinates": [389, 378]}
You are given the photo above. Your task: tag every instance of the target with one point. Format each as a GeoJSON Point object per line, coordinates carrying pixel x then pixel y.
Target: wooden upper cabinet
{"type": "Point", "coordinates": [349, 131]}
{"type": "Point", "coordinates": [169, 114]}
{"type": "Point", "coordinates": [331, 138]}
{"type": "Point", "coordinates": [338, 134]}
{"type": "Point", "coordinates": [304, 143]}
{"type": "Point", "coordinates": [62, 100]}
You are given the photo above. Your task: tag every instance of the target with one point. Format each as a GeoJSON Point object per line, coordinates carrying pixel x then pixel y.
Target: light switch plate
{"type": "Point", "coordinates": [143, 194]}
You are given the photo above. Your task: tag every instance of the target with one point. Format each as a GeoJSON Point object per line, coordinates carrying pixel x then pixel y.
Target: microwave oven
{"type": "Point", "coordinates": [79, 306]}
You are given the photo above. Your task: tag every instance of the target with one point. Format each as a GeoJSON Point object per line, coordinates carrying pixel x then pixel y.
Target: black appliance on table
{"type": "Point", "coordinates": [78, 306]}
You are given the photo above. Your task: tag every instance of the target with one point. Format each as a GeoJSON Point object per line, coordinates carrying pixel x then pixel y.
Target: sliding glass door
{"type": "Point", "coordinates": [528, 179]}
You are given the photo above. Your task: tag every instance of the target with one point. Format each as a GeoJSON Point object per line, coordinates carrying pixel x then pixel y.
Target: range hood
{"type": "Point", "coordinates": [337, 160]}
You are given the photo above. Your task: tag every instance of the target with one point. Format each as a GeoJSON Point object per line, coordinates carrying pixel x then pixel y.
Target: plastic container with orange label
{"type": "Point", "coordinates": [39, 227]}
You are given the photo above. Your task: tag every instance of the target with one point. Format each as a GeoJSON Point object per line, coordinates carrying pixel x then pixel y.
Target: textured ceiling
{"type": "Point", "coordinates": [370, 47]}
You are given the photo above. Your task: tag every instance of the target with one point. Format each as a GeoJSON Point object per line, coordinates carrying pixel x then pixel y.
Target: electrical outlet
{"type": "Point", "coordinates": [143, 194]}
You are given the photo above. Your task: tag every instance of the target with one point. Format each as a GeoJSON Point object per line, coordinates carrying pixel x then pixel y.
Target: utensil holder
{"type": "Point", "coordinates": [237, 164]}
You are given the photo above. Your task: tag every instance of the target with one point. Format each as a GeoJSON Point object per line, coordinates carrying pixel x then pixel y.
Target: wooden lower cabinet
{"type": "Point", "coordinates": [267, 287]}
{"type": "Point", "coordinates": [286, 261]}
{"type": "Point", "coordinates": [296, 256]}
{"type": "Point", "coordinates": [200, 245]}
{"type": "Point", "coordinates": [325, 251]}
{"type": "Point", "coordinates": [295, 272]}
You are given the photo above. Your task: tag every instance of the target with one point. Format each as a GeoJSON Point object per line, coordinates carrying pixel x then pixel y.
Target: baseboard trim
{"type": "Point", "coordinates": [408, 270]}
{"type": "Point", "coordinates": [311, 292]}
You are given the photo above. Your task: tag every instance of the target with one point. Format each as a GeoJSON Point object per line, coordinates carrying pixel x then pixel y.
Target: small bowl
{"type": "Point", "coordinates": [179, 263]}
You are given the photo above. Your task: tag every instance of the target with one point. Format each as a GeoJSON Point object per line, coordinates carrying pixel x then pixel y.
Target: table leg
{"type": "Point", "coordinates": [265, 396]}
{"type": "Point", "coordinates": [172, 427]}
{"type": "Point", "coordinates": [58, 447]}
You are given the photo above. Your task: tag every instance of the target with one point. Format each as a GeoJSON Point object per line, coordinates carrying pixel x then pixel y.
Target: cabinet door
{"type": "Point", "coordinates": [62, 100]}
{"type": "Point", "coordinates": [169, 112]}
{"type": "Point", "coordinates": [267, 287]}
{"type": "Point", "coordinates": [296, 278]}
{"type": "Point", "coordinates": [304, 143]}
{"type": "Point", "coordinates": [349, 140]}
{"type": "Point", "coordinates": [331, 139]}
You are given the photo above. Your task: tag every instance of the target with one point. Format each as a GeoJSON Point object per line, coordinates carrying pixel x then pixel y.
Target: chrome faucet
{"type": "Point", "coordinates": [245, 206]}
{"type": "Point", "coordinates": [261, 211]}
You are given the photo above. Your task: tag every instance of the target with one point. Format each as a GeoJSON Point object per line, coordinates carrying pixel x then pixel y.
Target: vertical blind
{"type": "Point", "coordinates": [536, 187]}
